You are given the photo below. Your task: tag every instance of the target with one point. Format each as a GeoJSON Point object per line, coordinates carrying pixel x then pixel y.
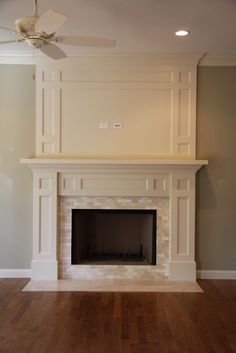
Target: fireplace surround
{"type": "Point", "coordinates": [120, 271]}
{"type": "Point", "coordinates": [149, 162]}
{"type": "Point", "coordinates": [62, 185]}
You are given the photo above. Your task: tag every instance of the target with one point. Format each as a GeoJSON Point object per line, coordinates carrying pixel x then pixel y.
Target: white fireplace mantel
{"type": "Point", "coordinates": [172, 179]}
{"type": "Point", "coordinates": [61, 164]}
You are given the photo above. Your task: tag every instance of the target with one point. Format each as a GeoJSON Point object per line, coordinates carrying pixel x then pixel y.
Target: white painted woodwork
{"type": "Point", "coordinates": [73, 163]}
{"type": "Point", "coordinates": [172, 179]}
{"type": "Point", "coordinates": [105, 184]}
{"type": "Point", "coordinates": [182, 248]}
{"type": "Point", "coordinates": [44, 263]}
{"type": "Point", "coordinates": [153, 98]}
{"type": "Point", "coordinates": [152, 155]}
{"type": "Point", "coordinates": [207, 59]}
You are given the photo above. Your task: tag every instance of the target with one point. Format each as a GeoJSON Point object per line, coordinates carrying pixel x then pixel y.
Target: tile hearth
{"type": "Point", "coordinates": [112, 285]}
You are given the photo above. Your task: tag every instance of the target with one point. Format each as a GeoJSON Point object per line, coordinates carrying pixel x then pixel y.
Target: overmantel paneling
{"type": "Point", "coordinates": [154, 99]}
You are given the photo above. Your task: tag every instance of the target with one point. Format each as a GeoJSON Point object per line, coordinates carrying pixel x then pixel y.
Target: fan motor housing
{"type": "Point", "coordinates": [36, 42]}
{"type": "Point", "coordinates": [26, 25]}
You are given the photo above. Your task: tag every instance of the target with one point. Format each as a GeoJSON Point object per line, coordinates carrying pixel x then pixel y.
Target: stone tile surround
{"type": "Point", "coordinates": [159, 271]}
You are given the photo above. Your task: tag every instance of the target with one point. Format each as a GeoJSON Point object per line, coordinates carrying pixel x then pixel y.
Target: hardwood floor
{"type": "Point", "coordinates": [71, 322]}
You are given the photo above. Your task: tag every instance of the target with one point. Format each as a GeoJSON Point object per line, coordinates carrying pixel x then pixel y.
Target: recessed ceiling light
{"type": "Point", "coordinates": [182, 33]}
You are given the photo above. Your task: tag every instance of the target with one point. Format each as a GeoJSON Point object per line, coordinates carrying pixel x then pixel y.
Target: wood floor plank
{"type": "Point", "coordinates": [80, 322]}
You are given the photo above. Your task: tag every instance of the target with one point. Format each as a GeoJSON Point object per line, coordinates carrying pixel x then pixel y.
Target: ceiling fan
{"type": "Point", "coordinates": [40, 32]}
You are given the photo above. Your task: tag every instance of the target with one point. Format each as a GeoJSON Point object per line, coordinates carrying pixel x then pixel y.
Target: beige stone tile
{"type": "Point", "coordinates": [159, 271]}
{"type": "Point", "coordinates": [113, 285]}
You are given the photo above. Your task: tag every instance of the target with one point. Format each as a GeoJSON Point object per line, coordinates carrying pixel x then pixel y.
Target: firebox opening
{"type": "Point", "coordinates": [101, 236]}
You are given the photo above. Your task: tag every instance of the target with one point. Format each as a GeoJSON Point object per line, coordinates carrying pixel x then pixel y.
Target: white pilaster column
{"type": "Point", "coordinates": [182, 231]}
{"type": "Point", "coordinates": [44, 262]}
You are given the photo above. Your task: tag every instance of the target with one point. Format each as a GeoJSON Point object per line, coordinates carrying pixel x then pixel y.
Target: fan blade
{"type": "Point", "coordinates": [8, 29]}
{"type": "Point", "coordinates": [12, 41]}
{"type": "Point", "coordinates": [86, 41]}
{"type": "Point", "coordinates": [50, 22]}
{"type": "Point", "coordinates": [53, 51]}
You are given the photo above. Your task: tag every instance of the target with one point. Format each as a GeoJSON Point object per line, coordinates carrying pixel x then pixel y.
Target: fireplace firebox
{"type": "Point", "coordinates": [102, 236]}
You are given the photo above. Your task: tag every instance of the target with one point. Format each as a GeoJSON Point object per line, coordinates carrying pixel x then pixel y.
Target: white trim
{"type": "Point", "coordinates": [15, 273]}
{"type": "Point", "coordinates": [16, 58]}
{"type": "Point", "coordinates": [182, 270]}
{"type": "Point", "coordinates": [203, 274]}
{"type": "Point", "coordinates": [44, 269]}
{"type": "Point", "coordinates": [212, 274]}
{"type": "Point", "coordinates": [218, 60]}
{"type": "Point", "coordinates": [113, 164]}
{"type": "Point", "coordinates": [26, 58]}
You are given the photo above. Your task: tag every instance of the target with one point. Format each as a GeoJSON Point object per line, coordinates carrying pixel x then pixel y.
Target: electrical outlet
{"type": "Point", "coordinates": [117, 125]}
{"type": "Point", "coordinates": [103, 125]}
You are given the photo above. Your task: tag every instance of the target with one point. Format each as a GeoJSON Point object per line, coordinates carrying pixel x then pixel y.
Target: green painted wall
{"type": "Point", "coordinates": [17, 140]}
{"type": "Point", "coordinates": [216, 184]}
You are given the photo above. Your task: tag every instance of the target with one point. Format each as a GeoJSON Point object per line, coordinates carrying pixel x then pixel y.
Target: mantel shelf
{"type": "Point", "coordinates": [59, 162]}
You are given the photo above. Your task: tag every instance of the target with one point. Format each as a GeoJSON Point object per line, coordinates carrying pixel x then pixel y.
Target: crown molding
{"type": "Point", "coordinates": [27, 58]}
{"type": "Point", "coordinates": [218, 60]}
{"type": "Point", "coordinates": [16, 57]}
{"type": "Point", "coordinates": [200, 59]}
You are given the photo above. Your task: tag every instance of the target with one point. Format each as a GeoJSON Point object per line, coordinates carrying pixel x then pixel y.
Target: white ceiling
{"type": "Point", "coordinates": [137, 25]}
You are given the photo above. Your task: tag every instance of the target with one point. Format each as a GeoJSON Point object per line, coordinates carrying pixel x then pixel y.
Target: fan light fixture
{"type": "Point", "coordinates": [182, 33]}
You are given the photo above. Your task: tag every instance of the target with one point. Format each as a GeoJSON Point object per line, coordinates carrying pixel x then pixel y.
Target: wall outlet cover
{"type": "Point", "coordinates": [117, 125]}
{"type": "Point", "coordinates": [103, 125]}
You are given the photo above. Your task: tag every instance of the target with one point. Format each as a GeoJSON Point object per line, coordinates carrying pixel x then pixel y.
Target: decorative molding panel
{"type": "Point", "coordinates": [44, 225]}
{"type": "Point", "coordinates": [116, 185]}
{"type": "Point", "coordinates": [183, 217]}
{"type": "Point", "coordinates": [155, 102]}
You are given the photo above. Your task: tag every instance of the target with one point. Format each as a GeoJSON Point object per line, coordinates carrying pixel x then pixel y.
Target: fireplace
{"type": "Point", "coordinates": [115, 237]}
{"type": "Point", "coordinates": [149, 163]}
{"type": "Point", "coordinates": [166, 186]}
{"type": "Point", "coordinates": [61, 186]}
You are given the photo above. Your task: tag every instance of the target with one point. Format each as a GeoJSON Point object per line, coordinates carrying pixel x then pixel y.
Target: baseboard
{"type": "Point", "coordinates": [212, 274]}
{"type": "Point", "coordinates": [15, 273]}
{"type": "Point", "coordinates": [203, 274]}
